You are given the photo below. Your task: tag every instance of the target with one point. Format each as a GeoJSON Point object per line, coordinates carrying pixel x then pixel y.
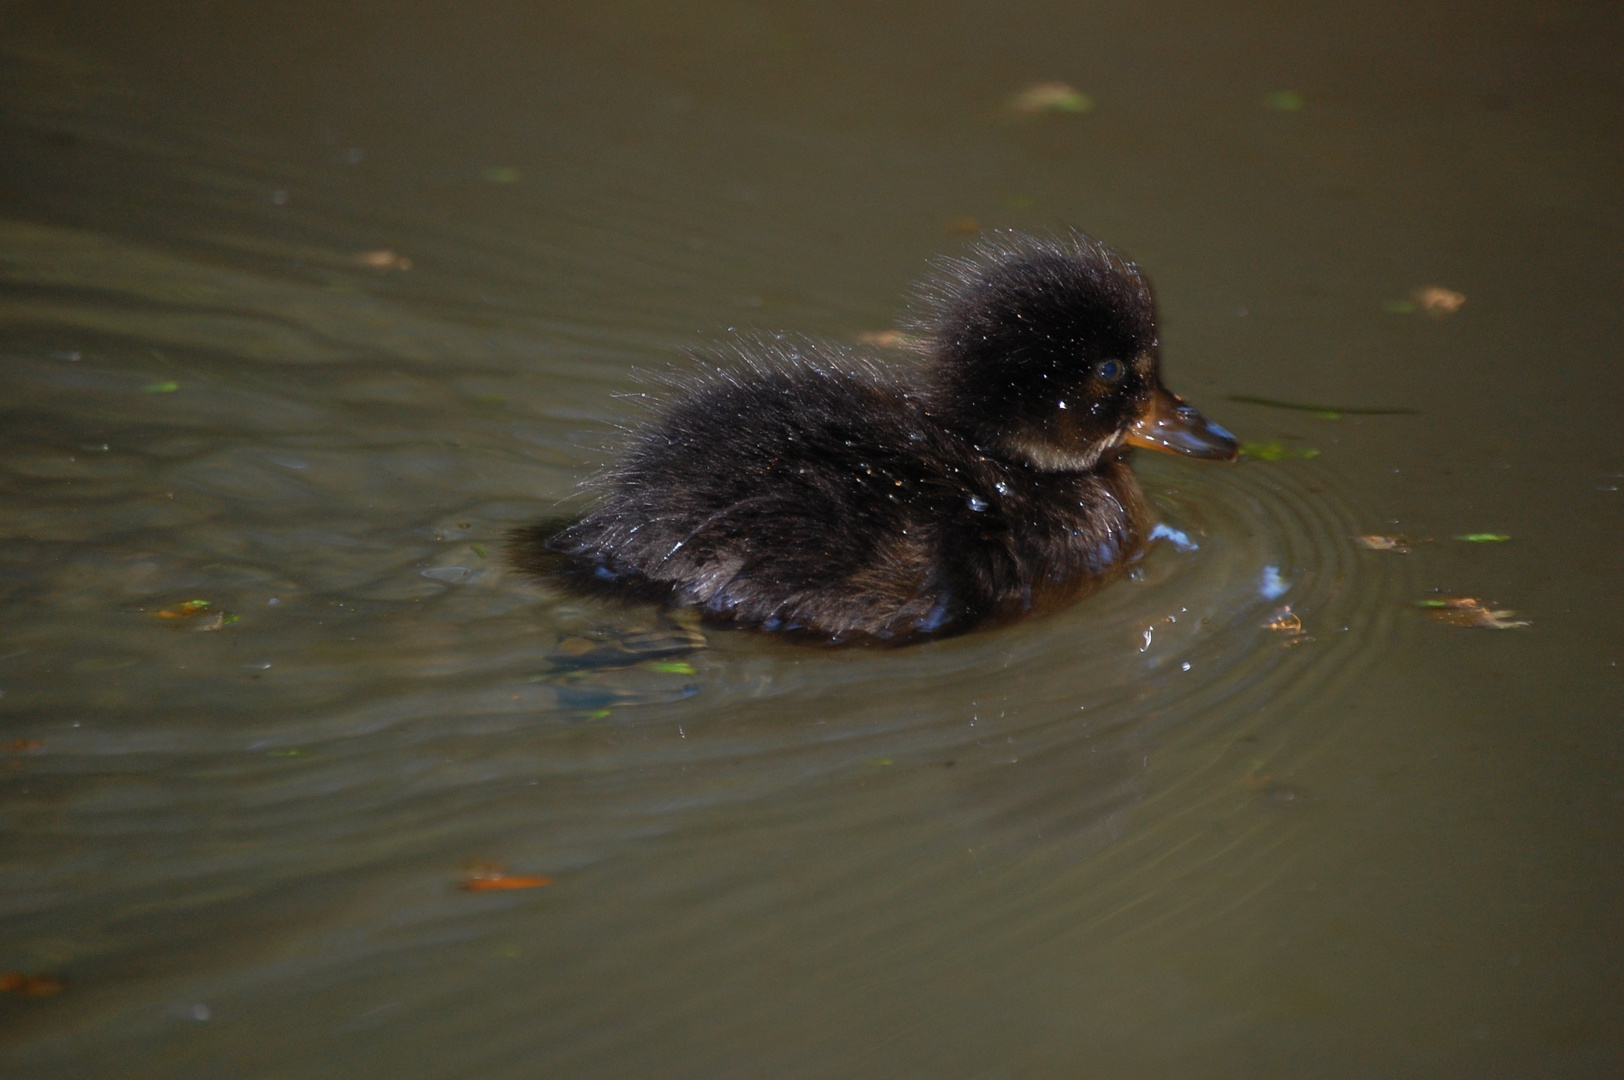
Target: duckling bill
{"type": "Point", "coordinates": [812, 491]}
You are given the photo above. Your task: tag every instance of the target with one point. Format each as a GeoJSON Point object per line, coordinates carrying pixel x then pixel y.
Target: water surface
{"type": "Point", "coordinates": [1148, 836]}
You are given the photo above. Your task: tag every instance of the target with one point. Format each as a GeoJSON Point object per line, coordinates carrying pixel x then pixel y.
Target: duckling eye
{"type": "Point", "coordinates": [1108, 370]}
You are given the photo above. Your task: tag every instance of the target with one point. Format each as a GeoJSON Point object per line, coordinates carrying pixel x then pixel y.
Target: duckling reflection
{"type": "Point", "coordinates": [812, 492]}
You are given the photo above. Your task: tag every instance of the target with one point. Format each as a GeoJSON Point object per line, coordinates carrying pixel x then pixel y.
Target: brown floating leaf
{"type": "Point", "coordinates": [886, 339]}
{"type": "Point", "coordinates": [15, 982]}
{"type": "Point", "coordinates": [191, 609]}
{"type": "Point", "coordinates": [963, 225]}
{"type": "Point", "coordinates": [384, 260]}
{"type": "Point", "coordinates": [1437, 301]}
{"type": "Point", "coordinates": [1465, 611]}
{"type": "Point", "coordinates": [1398, 545]}
{"type": "Point", "coordinates": [491, 877]}
{"type": "Point", "coordinates": [1051, 97]}
{"type": "Point", "coordinates": [22, 746]}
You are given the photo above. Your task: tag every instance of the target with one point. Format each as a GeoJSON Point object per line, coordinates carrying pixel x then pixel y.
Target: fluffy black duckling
{"type": "Point", "coordinates": [815, 492]}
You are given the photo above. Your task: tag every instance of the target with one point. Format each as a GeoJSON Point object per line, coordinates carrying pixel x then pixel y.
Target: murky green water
{"type": "Point", "coordinates": [1150, 836]}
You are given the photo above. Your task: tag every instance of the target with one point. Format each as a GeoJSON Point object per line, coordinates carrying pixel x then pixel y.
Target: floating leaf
{"type": "Point", "coordinates": [1275, 451]}
{"type": "Point", "coordinates": [963, 225]}
{"type": "Point", "coordinates": [160, 388]}
{"type": "Point", "coordinates": [1484, 538]}
{"type": "Point", "coordinates": [384, 260]}
{"type": "Point", "coordinates": [887, 338]}
{"type": "Point", "coordinates": [1398, 307]}
{"type": "Point", "coordinates": [1284, 101]}
{"type": "Point", "coordinates": [1437, 301]}
{"type": "Point", "coordinates": [1398, 545]}
{"type": "Point", "coordinates": [15, 982]}
{"type": "Point", "coordinates": [1465, 611]}
{"type": "Point", "coordinates": [673, 667]}
{"type": "Point", "coordinates": [22, 746]}
{"type": "Point", "coordinates": [1324, 412]}
{"type": "Point", "coordinates": [189, 610]}
{"type": "Point", "coordinates": [598, 714]}
{"type": "Point", "coordinates": [879, 762]}
{"type": "Point", "coordinates": [479, 549]}
{"type": "Point", "coordinates": [502, 174]}
{"type": "Point", "coordinates": [492, 877]}
{"type": "Point", "coordinates": [1055, 97]}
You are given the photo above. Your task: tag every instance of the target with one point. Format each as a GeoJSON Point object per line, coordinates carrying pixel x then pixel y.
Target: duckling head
{"type": "Point", "coordinates": [1045, 352]}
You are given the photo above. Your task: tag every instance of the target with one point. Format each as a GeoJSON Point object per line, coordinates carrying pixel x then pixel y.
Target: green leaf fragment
{"type": "Point", "coordinates": [1275, 451]}
{"type": "Point", "coordinates": [478, 549]}
{"type": "Point", "coordinates": [1484, 538]}
{"type": "Point", "coordinates": [673, 667]}
{"type": "Point", "coordinates": [1399, 307]}
{"type": "Point", "coordinates": [879, 762]}
{"type": "Point", "coordinates": [292, 751]}
{"type": "Point", "coordinates": [1284, 101]}
{"type": "Point", "coordinates": [160, 388]}
{"type": "Point", "coordinates": [598, 714]}
{"type": "Point", "coordinates": [502, 174]}
{"type": "Point", "coordinates": [1431, 603]}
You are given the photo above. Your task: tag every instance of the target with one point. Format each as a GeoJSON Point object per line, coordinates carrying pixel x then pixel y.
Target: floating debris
{"type": "Point", "coordinates": [502, 174]}
{"type": "Point", "coordinates": [384, 259]}
{"type": "Point", "coordinates": [1398, 545]}
{"type": "Point", "coordinates": [1288, 623]}
{"type": "Point", "coordinates": [22, 746]}
{"type": "Point", "coordinates": [1051, 97]}
{"type": "Point", "coordinates": [1324, 412]}
{"type": "Point", "coordinates": [879, 762]}
{"type": "Point", "coordinates": [160, 388]}
{"type": "Point", "coordinates": [672, 667]}
{"type": "Point", "coordinates": [15, 982]}
{"type": "Point", "coordinates": [1484, 538]}
{"type": "Point", "coordinates": [963, 225]}
{"type": "Point", "coordinates": [887, 339]}
{"type": "Point", "coordinates": [1275, 451]}
{"type": "Point", "coordinates": [1437, 301]}
{"type": "Point", "coordinates": [1284, 101]}
{"type": "Point", "coordinates": [493, 877]}
{"type": "Point", "coordinates": [1465, 611]}
{"type": "Point", "coordinates": [191, 609]}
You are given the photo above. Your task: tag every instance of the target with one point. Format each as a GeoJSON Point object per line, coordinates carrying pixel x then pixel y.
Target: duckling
{"type": "Point", "coordinates": [813, 492]}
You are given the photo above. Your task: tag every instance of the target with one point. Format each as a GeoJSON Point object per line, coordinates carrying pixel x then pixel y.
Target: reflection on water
{"type": "Point", "coordinates": [1170, 831]}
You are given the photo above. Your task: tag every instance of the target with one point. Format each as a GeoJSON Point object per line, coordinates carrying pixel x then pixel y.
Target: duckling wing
{"type": "Point", "coordinates": [794, 500]}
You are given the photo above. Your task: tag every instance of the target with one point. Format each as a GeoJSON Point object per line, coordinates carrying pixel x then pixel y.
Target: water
{"type": "Point", "coordinates": [1149, 836]}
